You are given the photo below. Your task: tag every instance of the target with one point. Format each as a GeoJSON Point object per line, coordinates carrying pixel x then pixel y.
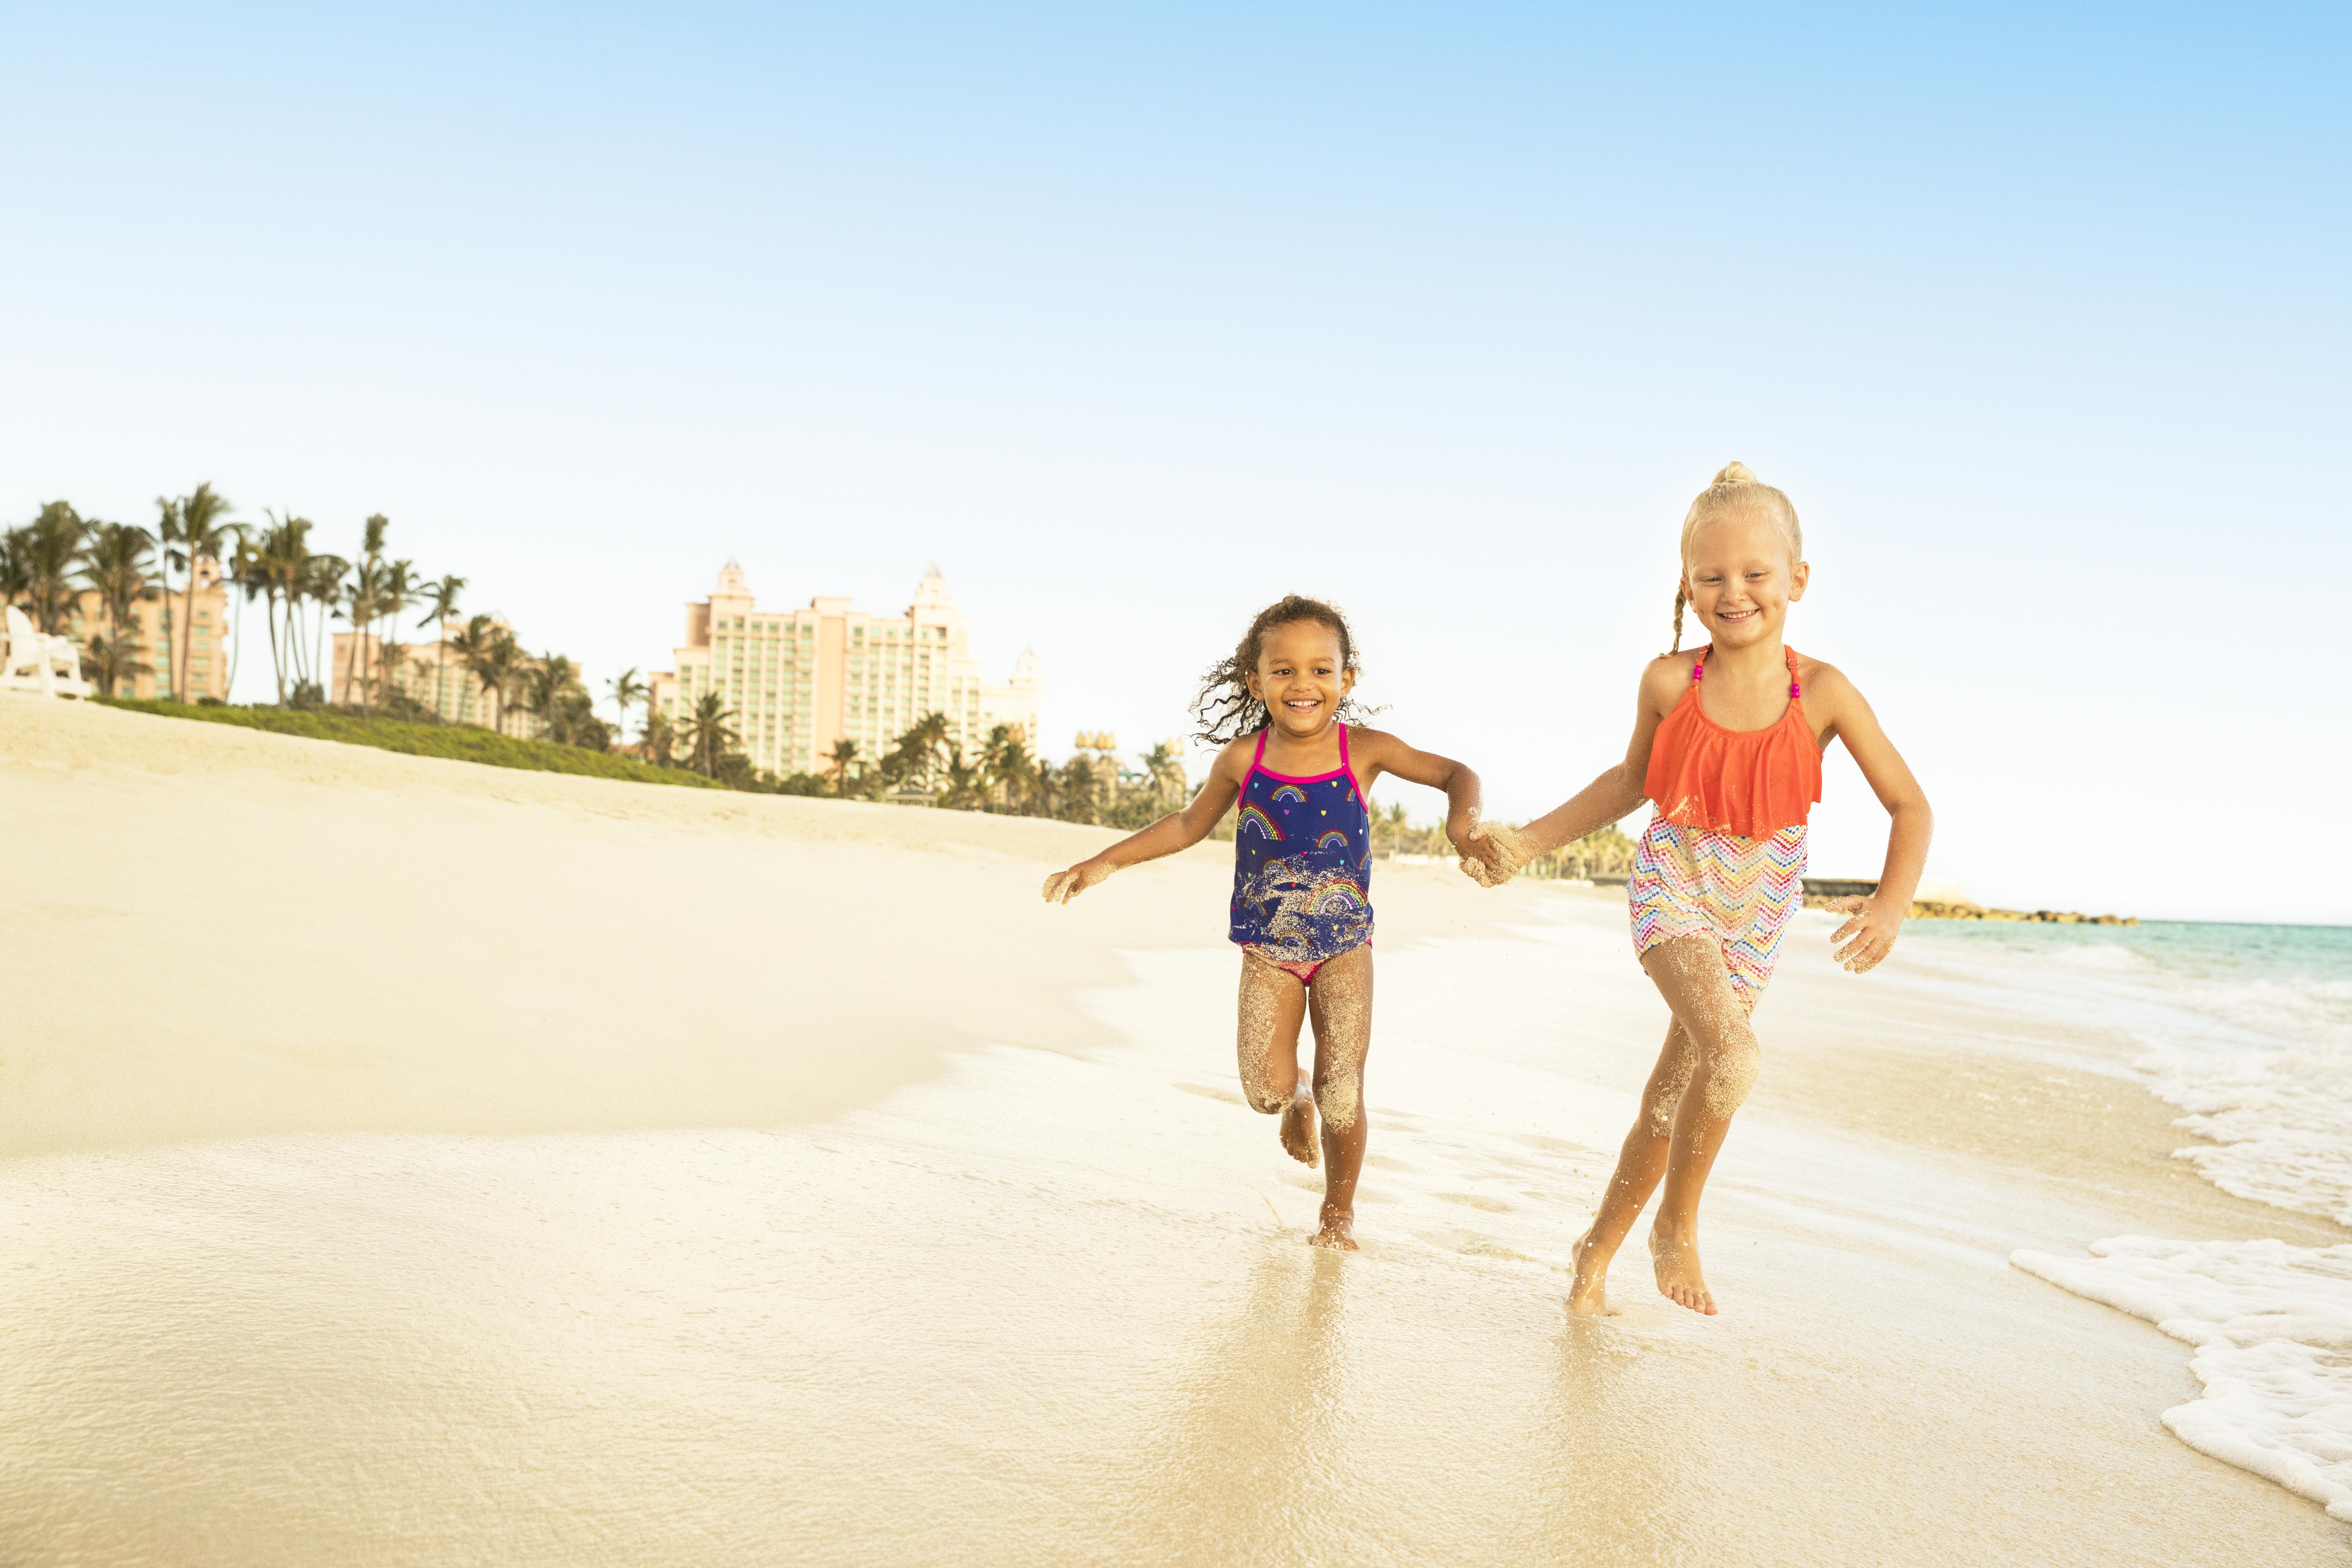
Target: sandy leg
{"type": "Point", "coordinates": [1588, 1295]}
{"type": "Point", "coordinates": [1272, 1007]}
{"type": "Point", "coordinates": [1296, 1128]}
{"type": "Point", "coordinates": [1641, 1166]}
{"type": "Point", "coordinates": [1340, 1001]}
{"type": "Point", "coordinates": [1703, 1077]}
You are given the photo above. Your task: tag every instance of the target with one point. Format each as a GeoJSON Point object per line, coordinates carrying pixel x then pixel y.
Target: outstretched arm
{"type": "Point", "coordinates": [1607, 799]}
{"type": "Point", "coordinates": [1866, 939]}
{"type": "Point", "coordinates": [1176, 831]}
{"type": "Point", "coordinates": [1378, 752]}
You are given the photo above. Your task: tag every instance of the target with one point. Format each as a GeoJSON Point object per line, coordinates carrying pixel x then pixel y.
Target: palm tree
{"type": "Point", "coordinates": [204, 535]}
{"type": "Point", "coordinates": [1011, 770]}
{"type": "Point", "coordinates": [841, 757]}
{"type": "Point", "coordinates": [243, 558]}
{"type": "Point", "coordinates": [13, 579]}
{"type": "Point", "coordinates": [627, 691]}
{"type": "Point", "coordinates": [359, 607]}
{"type": "Point", "coordinates": [276, 568]}
{"type": "Point", "coordinates": [46, 551]}
{"type": "Point", "coordinates": [545, 685]}
{"type": "Point", "coordinates": [442, 601]}
{"type": "Point", "coordinates": [709, 736]}
{"type": "Point", "coordinates": [115, 566]}
{"type": "Point", "coordinates": [323, 585]}
{"type": "Point", "coordinates": [573, 723]}
{"type": "Point", "coordinates": [1167, 771]}
{"type": "Point", "coordinates": [168, 556]}
{"type": "Point", "coordinates": [395, 592]}
{"type": "Point", "coordinates": [372, 533]}
{"type": "Point", "coordinates": [930, 737]}
{"type": "Point", "coordinates": [473, 647]}
{"type": "Point", "coordinates": [661, 738]}
{"type": "Point", "coordinates": [1077, 792]}
{"type": "Point", "coordinates": [507, 671]}
{"type": "Point", "coordinates": [965, 780]}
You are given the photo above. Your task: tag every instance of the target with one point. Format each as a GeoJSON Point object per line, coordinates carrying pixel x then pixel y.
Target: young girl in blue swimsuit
{"type": "Point", "coordinates": [1302, 911]}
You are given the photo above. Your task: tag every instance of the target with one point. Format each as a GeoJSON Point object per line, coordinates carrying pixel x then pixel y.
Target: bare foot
{"type": "Point", "coordinates": [1339, 1230]}
{"type": "Point", "coordinates": [1675, 1257]}
{"type": "Point", "coordinates": [1586, 1298]}
{"type": "Point", "coordinates": [1297, 1128]}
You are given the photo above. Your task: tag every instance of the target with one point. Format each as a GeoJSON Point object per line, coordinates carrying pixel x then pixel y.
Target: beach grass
{"type": "Point", "coordinates": [459, 743]}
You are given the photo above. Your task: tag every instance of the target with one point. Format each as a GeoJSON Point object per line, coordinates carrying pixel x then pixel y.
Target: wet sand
{"type": "Point", "coordinates": [415, 1163]}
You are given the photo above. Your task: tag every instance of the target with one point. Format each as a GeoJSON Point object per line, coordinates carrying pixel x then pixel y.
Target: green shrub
{"type": "Point", "coordinates": [1135, 812]}
{"type": "Point", "coordinates": [460, 742]}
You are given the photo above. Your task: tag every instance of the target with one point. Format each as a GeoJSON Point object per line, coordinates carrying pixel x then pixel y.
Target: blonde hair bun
{"type": "Point", "coordinates": [1735, 472]}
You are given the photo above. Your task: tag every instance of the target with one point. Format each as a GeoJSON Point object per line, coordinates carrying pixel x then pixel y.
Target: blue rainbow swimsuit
{"type": "Point", "coordinates": [1302, 866]}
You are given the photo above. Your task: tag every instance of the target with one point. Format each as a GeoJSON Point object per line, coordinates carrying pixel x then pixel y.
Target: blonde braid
{"type": "Point", "coordinates": [1682, 594]}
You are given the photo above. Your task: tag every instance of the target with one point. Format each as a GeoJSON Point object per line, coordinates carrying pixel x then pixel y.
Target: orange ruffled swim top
{"type": "Point", "coordinates": [1749, 782]}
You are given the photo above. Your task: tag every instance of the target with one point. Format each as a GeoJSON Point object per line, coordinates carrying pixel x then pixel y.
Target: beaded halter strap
{"type": "Point", "coordinates": [1698, 671]}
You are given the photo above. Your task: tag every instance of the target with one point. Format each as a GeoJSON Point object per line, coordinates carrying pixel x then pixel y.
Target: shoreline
{"type": "Point", "coordinates": [569, 1159]}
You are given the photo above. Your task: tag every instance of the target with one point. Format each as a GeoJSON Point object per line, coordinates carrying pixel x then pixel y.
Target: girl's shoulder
{"type": "Point", "coordinates": [1364, 742]}
{"type": "Point", "coordinates": [1234, 758]}
{"type": "Point", "coordinates": [1832, 701]}
{"type": "Point", "coordinates": [1821, 680]}
{"type": "Point", "coordinates": [1664, 678]}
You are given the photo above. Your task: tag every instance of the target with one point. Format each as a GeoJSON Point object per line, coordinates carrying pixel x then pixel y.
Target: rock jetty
{"type": "Point", "coordinates": [1824, 893]}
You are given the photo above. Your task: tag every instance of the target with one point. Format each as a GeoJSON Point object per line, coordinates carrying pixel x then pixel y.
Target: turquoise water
{"type": "Point", "coordinates": [2246, 1027]}
{"type": "Point", "coordinates": [2199, 950]}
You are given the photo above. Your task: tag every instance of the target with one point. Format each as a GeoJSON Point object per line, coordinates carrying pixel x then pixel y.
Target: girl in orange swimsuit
{"type": "Point", "coordinates": [1727, 748]}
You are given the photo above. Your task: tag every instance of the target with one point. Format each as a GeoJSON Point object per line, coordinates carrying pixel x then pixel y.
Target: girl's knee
{"type": "Point", "coordinates": [1263, 1099]}
{"type": "Point", "coordinates": [1339, 1099]}
{"type": "Point", "coordinates": [1732, 1075]}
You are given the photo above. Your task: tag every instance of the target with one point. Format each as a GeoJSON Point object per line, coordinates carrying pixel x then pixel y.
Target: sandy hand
{"type": "Point", "coordinates": [1865, 940]}
{"type": "Point", "coordinates": [1063, 886]}
{"type": "Point", "coordinates": [1492, 853]}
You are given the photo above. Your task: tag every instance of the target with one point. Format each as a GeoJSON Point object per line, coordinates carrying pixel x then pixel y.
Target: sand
{"type": "Point", "coordinates": [412, 1163]}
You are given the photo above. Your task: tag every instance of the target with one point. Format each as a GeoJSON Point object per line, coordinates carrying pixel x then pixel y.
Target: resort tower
{"type": "Point", "coordinates": [800, 681]}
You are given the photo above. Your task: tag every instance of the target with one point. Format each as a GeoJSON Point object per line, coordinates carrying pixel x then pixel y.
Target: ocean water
{"type": "Point", "coordinates": [2248, 1029]}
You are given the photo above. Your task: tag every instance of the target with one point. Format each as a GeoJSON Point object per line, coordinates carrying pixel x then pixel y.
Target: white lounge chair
{"type": "Point", "coordinates": [35, 661]}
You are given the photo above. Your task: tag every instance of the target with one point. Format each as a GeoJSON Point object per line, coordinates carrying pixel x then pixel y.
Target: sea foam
{"type": "Point", "coordinates": [2272, 1089]}
{"type": "Point", "coordinates": [2248, 1030]}
{"type": "Point", "coordinates": [2273, 1328]}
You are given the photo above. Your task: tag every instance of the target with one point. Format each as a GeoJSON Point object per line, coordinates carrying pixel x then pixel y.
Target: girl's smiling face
{"type": "Point", "coordinates": [1300, 678]}
{"type": "Point", "coordinates": [1740, 579]}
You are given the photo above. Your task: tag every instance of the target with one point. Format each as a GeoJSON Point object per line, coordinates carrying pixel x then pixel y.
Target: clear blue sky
{"type": "Point", "coordinates": [1136, 318]}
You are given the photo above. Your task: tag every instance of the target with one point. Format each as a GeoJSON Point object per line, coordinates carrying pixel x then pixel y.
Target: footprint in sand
{"type": "Point", "coordinates": [1472, 1200]}
{"type": "Point", "coordinates": [1383, 1162]}
{"type": "Point", "coordinates": [1551, 1145]}
{"type": "Point", "coordinates": [1205, 1092]}
{"type": "Point", "coordinates": [1483, 1248]}
{"type": "Point", "coordinates": [1470, 1246]}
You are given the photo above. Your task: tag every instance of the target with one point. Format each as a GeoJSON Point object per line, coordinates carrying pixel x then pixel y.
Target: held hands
{"type": "Point", "coordinates": [1491, 853]}
{"type": "Point", "coordinates": [1866, 939]}
{"type": "Point", "coordinates": [1063, 886]}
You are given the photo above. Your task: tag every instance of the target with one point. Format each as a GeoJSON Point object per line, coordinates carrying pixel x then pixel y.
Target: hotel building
{"type": "Point", "coordinates": [799, 681]}
{"type": "Point", "coordinates": [154, 636]}
{"type": "Point", "coordinates": [431, 674]}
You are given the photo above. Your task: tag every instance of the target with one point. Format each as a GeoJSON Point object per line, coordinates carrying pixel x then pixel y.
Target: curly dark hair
{"type": "Point", "coordinates": [1225, 709]}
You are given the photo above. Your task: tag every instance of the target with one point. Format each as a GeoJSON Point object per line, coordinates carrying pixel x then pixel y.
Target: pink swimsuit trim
{"type": "Point", "coordinates": [1346, 769]}
{"type": "Point", "coordinates": [1302, 973]}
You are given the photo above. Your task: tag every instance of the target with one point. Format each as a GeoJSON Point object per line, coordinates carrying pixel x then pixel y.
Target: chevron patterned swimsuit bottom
{"type": "Point", "coordinates": [1740, 891]}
